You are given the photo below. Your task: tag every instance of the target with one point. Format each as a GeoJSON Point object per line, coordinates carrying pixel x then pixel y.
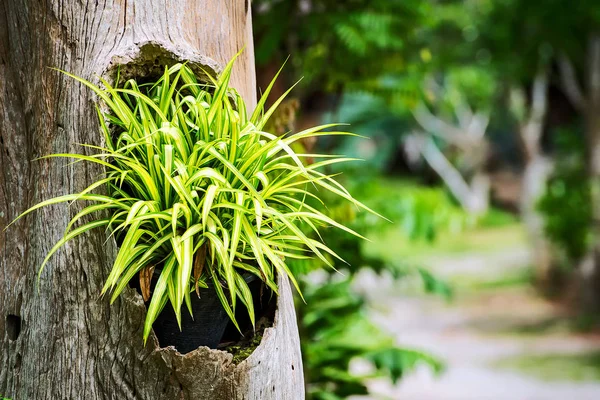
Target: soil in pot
{"type": "Point", "coordinates": [242, 345]}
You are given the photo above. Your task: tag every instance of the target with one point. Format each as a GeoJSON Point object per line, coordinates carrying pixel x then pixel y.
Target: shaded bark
{"type": "Point", "coordinates": [59, 339]}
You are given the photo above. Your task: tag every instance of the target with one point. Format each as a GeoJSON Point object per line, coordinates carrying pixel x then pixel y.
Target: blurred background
{"type": "Point", "coordinates": [481, 121]}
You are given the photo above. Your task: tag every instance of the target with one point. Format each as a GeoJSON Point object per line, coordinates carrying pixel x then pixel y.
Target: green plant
{"type": "Point", "coordinates": [567, 204]}
{"type": "Point", "coordinates": [334, 322]}
{"type": "Point", "coordinates": [196, 188]}
{"type": "Point", "coordinates": [335, 330]}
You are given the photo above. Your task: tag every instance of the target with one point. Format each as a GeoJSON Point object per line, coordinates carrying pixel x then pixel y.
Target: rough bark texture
{"type": "Point", "coordinates": [59, 340]}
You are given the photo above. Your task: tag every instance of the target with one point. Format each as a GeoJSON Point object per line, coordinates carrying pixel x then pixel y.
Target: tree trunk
{"type": "Point", "coordinates": [586, 100]}
{"type": "Point", "coordinates": [535, 177]}
{"type": "Point", "coordinates": [589, 270]}
{"type": "Point", "coordinates": [536, 173]}
{"type": "Point", "coordinates": [479, 199]}
{"type": "Point", "coordinates": [58, 339]}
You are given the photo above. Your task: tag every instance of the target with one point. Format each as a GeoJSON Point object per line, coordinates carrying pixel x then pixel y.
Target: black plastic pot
{"type": "Point", "coordinates": [205, 329]}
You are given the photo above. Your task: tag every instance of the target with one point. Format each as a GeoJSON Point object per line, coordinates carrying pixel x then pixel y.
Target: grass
{"type": "Point", "coordinates": [496, 218]}
{"type": "Point", "coordinates": [428, 222]}
{"type": "Point", "coordinates": [555, 367]}
{"type": "Point", "coordinates": [393, 243]}
{"type": "Point", "coordinates": [521, 278]}
{"type": "Point", "coordinates": [551, 325]}
{"type": "Point", "coordinates": [547, 326]}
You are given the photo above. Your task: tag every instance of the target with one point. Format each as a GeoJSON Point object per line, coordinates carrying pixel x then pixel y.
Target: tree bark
{"type": "Point", "coordinates": [535, 177]}
{"type": "Point", "coordinates": [590, 268]}
{"type": "Point", "coordinates": [58, 339]}
{"type": "Point", "coordinates": [536, 173]}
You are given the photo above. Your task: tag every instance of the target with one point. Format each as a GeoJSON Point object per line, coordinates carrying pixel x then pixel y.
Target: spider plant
{"type": "Point", "coordinates": [197, 189]}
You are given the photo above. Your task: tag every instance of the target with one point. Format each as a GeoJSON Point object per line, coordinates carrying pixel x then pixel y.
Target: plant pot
{"type": "Point", "coordinates": [206, 328]}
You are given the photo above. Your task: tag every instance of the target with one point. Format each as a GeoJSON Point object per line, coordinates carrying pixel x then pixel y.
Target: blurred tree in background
{"type": "Point", "coordinates": [339, 44]}
{"type": "Point", "coordinates": [550, 45]}
{"type": "Point", "coordinates": [455, 93]}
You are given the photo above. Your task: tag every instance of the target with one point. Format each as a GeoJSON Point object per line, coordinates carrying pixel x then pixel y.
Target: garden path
{"type": "Point", "coordinates": [493, 319]}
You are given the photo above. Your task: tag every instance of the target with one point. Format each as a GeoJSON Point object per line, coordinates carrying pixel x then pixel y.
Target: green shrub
{"type": "Point", "coordinates": [567, 205]}
{"type": "Point", "coordinates": [335, 330]}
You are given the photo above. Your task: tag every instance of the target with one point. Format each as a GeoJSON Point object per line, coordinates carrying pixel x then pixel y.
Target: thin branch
{"type": "Point", "coordinates": [437, 126]}
{"type": "Point", "coordinates": [539, 96]}
{"type": "Point", "coordinates": [518, 103]}
{"type": "Point", "coordinates": [440, 164]}
{"type": "Point", "coordinates": [463, 112]}
{"type": "Point", "coordinates": [570, 84]}
{"type": "Point", "coordinates": [531, 129]}
{"type": "Point", "coordinates": [594, 70]}
{"type": "Point", "coordinates": [478, 125]}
